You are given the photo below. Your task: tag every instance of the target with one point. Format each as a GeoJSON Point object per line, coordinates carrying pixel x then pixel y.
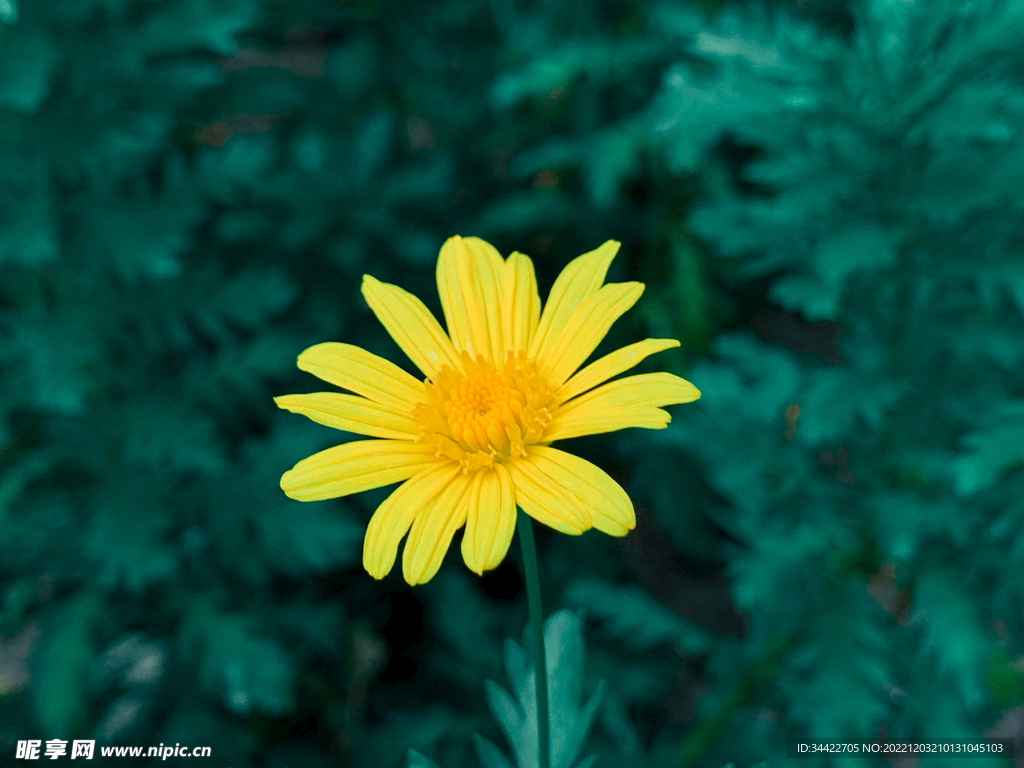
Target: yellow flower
{"type": "Point", "coordinates": [472, 441]}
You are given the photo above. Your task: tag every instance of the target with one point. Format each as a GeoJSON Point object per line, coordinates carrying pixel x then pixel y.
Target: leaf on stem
{"type": "Point", "coordinates": [516, 712]}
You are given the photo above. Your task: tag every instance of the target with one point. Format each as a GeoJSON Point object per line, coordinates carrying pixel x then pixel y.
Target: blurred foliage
{"type": "Point", "coordinates": [824, 200]}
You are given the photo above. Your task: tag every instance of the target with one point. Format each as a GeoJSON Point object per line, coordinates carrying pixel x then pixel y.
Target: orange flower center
{"type": "Point", "coordinates": [482, 410]}
{"type": "Point", "coordinates": [479, 415]}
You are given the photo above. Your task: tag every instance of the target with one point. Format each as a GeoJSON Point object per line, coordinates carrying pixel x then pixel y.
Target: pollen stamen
{"type": "Point", "coordinates": [480, 416]}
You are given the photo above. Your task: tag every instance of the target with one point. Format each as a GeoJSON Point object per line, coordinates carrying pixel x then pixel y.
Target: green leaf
{"type": "Point", "coordinates": [948, 618]}
{"type": "Point", "coordinates": [230, 172]}
{"type": "Point", "coordinates": [140, 237]}
{"type": "Point", "coordinates": [994, 448]}
{"type": "Point", "coordinates": [637, 618]}
{"type": "Point", "coordinates": [60, 668]}
{"type": "Point", "coordinates": [128, 534]}
{"type": "Point", "coordinates": [415, 760]}
{"type": "Point", "coordinates": [516, 713]}
{"type": "Point", "coordinates": [237, 374]}
{"type": "Point", "coordinates": [14, 479]}
{"type": "Point", "coordinates": [1005, 679]}
{"type": "Point", "coordinates": [205, 24]}
{"type": "Point", "coordinates": [245, 671]}
{"type": "Point", "coordinates": [862, 247]}
{"type": "Point", "coordinates": [523, 211]}
{"type": "Point", "coordinates": [489, 755]}
{"type": "Point", "coordinates": [836, 397]}
{"type": "Point", "coordinates": [311, 539]}
{"type": "Point", "coordinates": [614, 158]}
{"type": "Point", "coordinates": [779, 565]}
{"type": "Point", "coordinates": [53, 359]}
{"type": "Point", "coordinates": [27, 61]}
{"type": "Point", "coordinates": [905, 521]}
{"type": "Point", "coordinates": [373, 143]}
{"type": "Point", "coordinates": [807, 294]}
{"type": "Point", "coordinates": [425, 727]}
{"type": "Point", "coordinates": [352, 67]}
{"type": "Point", "coordinates": [160, 431]}
{"type": "Point", "coordinates": [28, 228]}
{"type": "Point", "coordinates": [844, 651]}
{"type": "Point", "coordinates": [691, 294]}
{"type": "Point", "coordinates": [540, 77]}
{"type": "Point", "coordinates": [246, 299]}
{"type": "Point", "coordinates": [8, 11]}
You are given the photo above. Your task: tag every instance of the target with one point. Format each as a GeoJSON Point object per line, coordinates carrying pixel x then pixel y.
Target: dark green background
{"type": "Point", "coordinates": [826, 201]}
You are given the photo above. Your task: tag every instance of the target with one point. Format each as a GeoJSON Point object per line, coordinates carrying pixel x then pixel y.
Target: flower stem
{"type": "Point", "coordinates": [540, 666]}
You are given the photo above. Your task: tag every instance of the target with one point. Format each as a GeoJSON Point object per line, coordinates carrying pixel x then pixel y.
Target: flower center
{"type": "Point", "coordinates": [482, 409]}
{"type": "Point", "coordinates": [479, 416]}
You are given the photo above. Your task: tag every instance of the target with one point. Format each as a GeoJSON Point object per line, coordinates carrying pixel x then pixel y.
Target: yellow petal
{"type": "Point", "coordinates": [630, 402]}
{"type": "Point", "coordinates": [591, 487]}
{"type": "Point", "coordinates": [354, 467]}
{"type": "Point", "coordinates": [411, 325]}
{"type": "Point", "coordinates": [585, 328]}
{"type": "Point", "coordinates": [520, 302]}
{"type": "Point", "coordinates": [491, 519]}
{"type": "Point", "coordinates": [352, 414]}
{"type": "Point", "coordinates": [580, 278]}
{"type": "Point", "coordinates": [655, 389]}
{"type": "Point", "coordinates": [469, 283]}
{"type": "Point", "coordinates": [612, 364]}
{"type": "Point", "coordinates": [393, 517]}
{"type": "Point", "coordinates": [364, 373]}
{"type": "Point", "coordinates": [544, 500]}
{"type": "Point", "coordinates": [608, 419]}
{"type": "Point", "coordinates": [433, 529]}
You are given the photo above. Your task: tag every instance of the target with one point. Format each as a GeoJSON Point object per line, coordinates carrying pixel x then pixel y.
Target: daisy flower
{"type": "Point", "coordinates": [471, 441]}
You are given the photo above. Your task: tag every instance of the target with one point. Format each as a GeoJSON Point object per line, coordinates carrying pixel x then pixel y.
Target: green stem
{"type": "Point", "coordinates": [540, 666]}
